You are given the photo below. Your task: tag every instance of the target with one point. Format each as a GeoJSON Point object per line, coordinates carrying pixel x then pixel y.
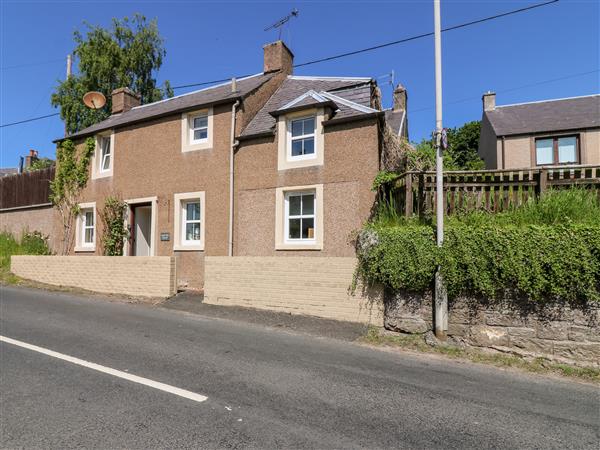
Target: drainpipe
{"type": "Point", "coordinates": [233, 145]}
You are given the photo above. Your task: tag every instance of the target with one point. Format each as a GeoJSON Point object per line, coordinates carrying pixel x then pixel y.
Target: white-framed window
{"type": "Point", "coordinates": [301, 138]}
{"type": "Point", "coordinates": [189, 221]}
{"type": "Point", "coordinates": [197, 130]}
{"type": "Point", "coordinates": [85, 234]}
{"type": "Point", "coordinates": [103, 159]}
{"type": "Point", "coordinates": [105, 153]}
{"type": "Point", "coordinates": [300, 216]}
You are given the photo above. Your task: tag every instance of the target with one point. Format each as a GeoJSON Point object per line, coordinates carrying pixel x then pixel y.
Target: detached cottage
{"type": "Point", "coordinates": [271, 165]}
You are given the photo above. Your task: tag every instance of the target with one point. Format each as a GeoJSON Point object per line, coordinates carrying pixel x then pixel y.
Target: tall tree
{"type": "Point", "coordinates": [128, 54]}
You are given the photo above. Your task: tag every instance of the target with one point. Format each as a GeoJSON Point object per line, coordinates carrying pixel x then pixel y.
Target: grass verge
{"type": "Point", "coordinates": [374, 336]}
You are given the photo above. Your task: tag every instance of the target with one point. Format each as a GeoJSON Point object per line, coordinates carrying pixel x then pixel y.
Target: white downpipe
{"type": "Point", "coordinates": [231, 154]}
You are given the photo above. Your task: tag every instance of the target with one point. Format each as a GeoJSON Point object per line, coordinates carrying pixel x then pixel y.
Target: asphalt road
{"type": "Point", "coordinates": [266, 388]}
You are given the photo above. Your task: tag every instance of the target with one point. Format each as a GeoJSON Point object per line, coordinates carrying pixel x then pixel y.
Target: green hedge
{"type": "Point", "coordinates": [540, 262]}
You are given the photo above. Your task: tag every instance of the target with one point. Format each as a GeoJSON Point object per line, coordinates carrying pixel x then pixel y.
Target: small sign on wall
{"type": "Point", "coordinates": [164, 237]}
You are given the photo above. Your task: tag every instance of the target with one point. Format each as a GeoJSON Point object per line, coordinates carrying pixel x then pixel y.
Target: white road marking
{"type": "Point", "coordinates": [117, 373]}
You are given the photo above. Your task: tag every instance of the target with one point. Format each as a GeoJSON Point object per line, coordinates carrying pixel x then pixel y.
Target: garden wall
{"type": "Point", "coordinates": [314, 286]}
{"type": "Point", "coordinates": [139, 276]}
{"type": "Point", "coordinates": [37, 218]}
{"type": "Point", "coordinates": [558, 332]}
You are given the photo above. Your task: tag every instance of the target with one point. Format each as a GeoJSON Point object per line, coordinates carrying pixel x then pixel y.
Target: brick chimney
{"type": "Point", "coordinates": [489, 101]}
{"type": "Point", "coordinates": [123, 99]}
{"type": "Point", "coordinates": [31, 158]}
{"type": "Point", "coordinates": [278, 57]}
{"type": "Point", "coordinates": [400, 98]}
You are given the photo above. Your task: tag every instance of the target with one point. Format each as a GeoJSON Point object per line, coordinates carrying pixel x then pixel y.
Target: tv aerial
{"type": "Point", "coordinates": [94, 100]}
{"type": "Point", "coordinates": [280, 23]}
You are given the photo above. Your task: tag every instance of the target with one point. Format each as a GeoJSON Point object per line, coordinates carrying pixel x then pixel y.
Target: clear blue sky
{"type": "Point", "coordinates": [212, 40]}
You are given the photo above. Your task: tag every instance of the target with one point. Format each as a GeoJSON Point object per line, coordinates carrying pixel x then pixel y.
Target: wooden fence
{"type": "Point", "coordinates": [26, 189]}
{"type": "Point", "coordinates": [489, 190]}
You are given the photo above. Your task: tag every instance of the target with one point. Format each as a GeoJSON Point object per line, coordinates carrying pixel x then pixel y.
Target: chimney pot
{"type": "Point", "coordinates": [123, 99]}
{"type": "Point", "coordinates": [489, 101]}
{"type": "Point", "coordinates": [277, 57]}
{"type": "Point", "coordinates": [31, 158]}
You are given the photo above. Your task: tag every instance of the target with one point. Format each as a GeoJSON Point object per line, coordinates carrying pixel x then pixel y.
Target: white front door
{"type": "Point", "coordinates": [142, 230]}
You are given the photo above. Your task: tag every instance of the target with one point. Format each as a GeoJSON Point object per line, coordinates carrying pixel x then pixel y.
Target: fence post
{"type": "Point", "coordinates": [408, 195]}
{"type": "Point", "coordinates": [543, 183]}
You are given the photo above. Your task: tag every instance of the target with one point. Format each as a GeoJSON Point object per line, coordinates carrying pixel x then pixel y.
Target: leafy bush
{"type": "Point", "coordinates": [31, 243]}
{"type": "Point", "coordinates": [538, 262]}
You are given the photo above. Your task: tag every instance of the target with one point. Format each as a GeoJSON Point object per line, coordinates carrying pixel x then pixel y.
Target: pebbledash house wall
{"type": "Point", "coordinates": [351, 162]}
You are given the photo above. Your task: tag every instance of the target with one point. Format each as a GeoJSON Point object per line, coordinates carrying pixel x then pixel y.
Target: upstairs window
{"type": "Point", "coordinates": [300, 216]}
{"type": "Point", "coordinates": [557, 150]}
{"type": "Point", "coordinates": [104, 154]}
{"type": "Point", "coordinates": [199, 129]}
{"type": "Point", "coordinates": [302, 138]}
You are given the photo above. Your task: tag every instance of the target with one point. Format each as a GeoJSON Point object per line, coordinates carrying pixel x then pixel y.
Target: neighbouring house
{"type": "Point", "coordinates": [536, 134]}
{"type": "Point", "coordinates": [271, 165]}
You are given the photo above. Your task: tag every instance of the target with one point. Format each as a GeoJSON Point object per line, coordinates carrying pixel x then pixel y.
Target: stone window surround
{"type": "Point", "coordinates": [179, 198]}
{"type": "Point", "coordinates": [280, 242]}
{"type": "Point", "coordinates": [283, 140]}
{"type": "Point", "coordinates": [97, 156]}
{"type": "Point", "coordinates": [80, 246]}
{"type": "Point", "coordinates": [186, 119]}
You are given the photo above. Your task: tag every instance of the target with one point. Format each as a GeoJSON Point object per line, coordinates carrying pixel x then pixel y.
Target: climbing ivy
{"type": "Point", "coordinates": [72, 172]}
{"type": "Point", "coordinates": [113, 223]}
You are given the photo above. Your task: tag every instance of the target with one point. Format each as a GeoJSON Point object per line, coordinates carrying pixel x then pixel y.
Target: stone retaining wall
{"type": "Point", "coordinates": [139, 276]}
{"type": "Point", "coordinates": [556, 332]}
{"type": "Point", "coordinates": [314, 286]}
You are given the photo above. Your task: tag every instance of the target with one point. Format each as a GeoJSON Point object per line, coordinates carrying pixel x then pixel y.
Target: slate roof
{"type": "Point", "coordinates": [355, 90]}
{"type": "Point", "coordinates": [180, 103]}
{"type": "Point", "coordinates": [551, 115]}
{"type": "Point", "coordinates": [395, 120]}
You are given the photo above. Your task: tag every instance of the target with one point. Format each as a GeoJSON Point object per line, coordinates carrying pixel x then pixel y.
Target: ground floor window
{"type": "Point", "coordinates": [189, 221]}
{"type": "Point", "coordinates": [85, 234]}
{"type": "Point", "coordinates": [299, 218]}
{"type": "Point", "coordinates": [557, 150]}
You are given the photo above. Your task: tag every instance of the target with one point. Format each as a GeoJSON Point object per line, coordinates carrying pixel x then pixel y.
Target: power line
{"type": "Point", "coordinates": [31, 64]}
{"type": "Point", "coordinates": [537, 83]}
{"type": "Point", "coordinates": [28, 120]}
{"type": "Point", "coordinates": [343, 55]}
{"type": "Point", "coordinates": [388, 44]}
{"type": "Point", "coordinates": [423, 35]}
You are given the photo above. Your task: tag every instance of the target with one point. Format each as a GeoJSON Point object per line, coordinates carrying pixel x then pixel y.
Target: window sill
{"type": "Point", "coordinates": [85, 249]}
{"type": "Point", "coordinates": [299, 246]}
{"type": "Point", "coordinates": [105, 174]}
{"type": "Point", "coordinates": [188, 248]}
{"type": "Point", "coordinates": [196, 147]}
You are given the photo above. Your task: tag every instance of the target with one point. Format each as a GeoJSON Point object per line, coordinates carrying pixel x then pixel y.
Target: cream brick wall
{"type": "Point", "coordinates": [297, 285]}
{"type": "Point", "coordinates": [143, 276]}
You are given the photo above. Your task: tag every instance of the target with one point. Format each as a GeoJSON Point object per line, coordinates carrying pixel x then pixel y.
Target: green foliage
{"type": "Point", "coordinates": [31, 243]}
{"type": "Point", "coordinates": [39, 164]}
{"type": "Point", "coordinates": [71, 176]}
{"type": "Point", "coordinates": [461, 154]}
{"type": "Point", "coordinates": [128, 54]}
{"type": "Point", "coordinates": [384, 178]}
{"type": "Point", "coordinates": [113, 220]}
{"type": "Point", "coordinates": [540, 262]}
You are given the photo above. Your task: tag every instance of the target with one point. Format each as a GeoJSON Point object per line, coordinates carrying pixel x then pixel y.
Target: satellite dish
{"type": "Point", "coordinates": [94, 100]}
